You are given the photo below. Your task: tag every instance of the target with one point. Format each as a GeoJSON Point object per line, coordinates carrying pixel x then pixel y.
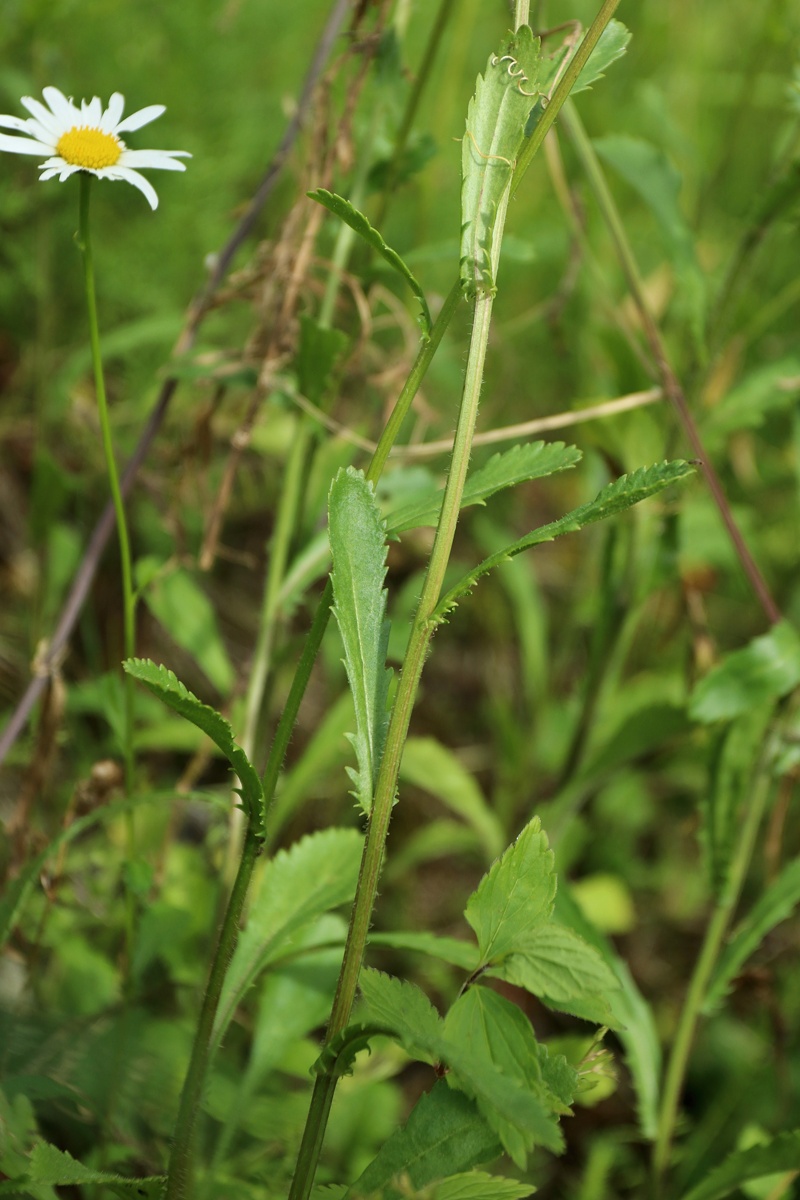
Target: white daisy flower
{"type": "Point", "coordinates": [87, 139]}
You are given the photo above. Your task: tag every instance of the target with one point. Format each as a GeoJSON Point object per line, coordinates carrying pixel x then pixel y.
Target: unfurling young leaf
{"type": "Point", "coordinates": [496, 120]}
{"type": "Point", "coordinates": [358, 547]}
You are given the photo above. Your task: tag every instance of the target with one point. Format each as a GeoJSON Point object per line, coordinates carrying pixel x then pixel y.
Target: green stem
{"type": "Point", "coordinates": [712, 944]}
{"type": "Point", "coordinates": [179, 1173]}
{"type": "Point", "coordinates": [669, 381]}
{"type": "Point", "coordinates": [85, 247]}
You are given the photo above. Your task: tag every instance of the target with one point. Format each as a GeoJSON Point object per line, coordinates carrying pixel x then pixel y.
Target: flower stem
{"type": "Point", "coordinates": [179, 1171]}
{"type": "Point", "coordinates": [85, 247]}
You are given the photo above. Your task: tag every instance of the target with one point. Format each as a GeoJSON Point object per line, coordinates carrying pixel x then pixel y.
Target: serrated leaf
{"type": "Point", "coordinates": [53, 1167]}
{"type": "Point", "coordinates": [496, 120]}
{"type": "Point", "coordinates": [315, 875]}
{"type": "Point", "coordinates": [623, 493]}
{"type": "Point", "coordinates": [531, 460]}
{"type": "Point", "coordinates": [777, 903]}
{"type": "Point", "coordinates": [403, 1008]}
{"type": "Point", "coordinates": [506, 1103]}
{"type": "Point", "coordinates": [516, 893]}
{"type": "Point", "coordinates": [165, 684]}
{"type": "Point", "coordinates": [358, 222]}
{"type": "Point", "coordinates": [497, 1063]}
{"type": "Point", "coordinates": [428, 764]}
{"type": "Point", "coordinates": [444, 1134]}
{"type": "Point", "coordinates": [781, 1154]}
{"type": "Point", "coordinates": [479, 1185]}
{"type": "Point", "coordinates": [611, 45]}
{"type": "Point", "coordinates": [766, 669]}
{"type": "Point", "coordinates": [555, 964]}
{"type": "Point", "coordinates": [358, 547]}
{"type": "Point", "coordinates": [637, 1028]}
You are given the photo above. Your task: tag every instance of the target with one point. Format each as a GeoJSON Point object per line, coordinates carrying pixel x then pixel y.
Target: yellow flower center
{"type": "Point", "coordinates": [90, 148]}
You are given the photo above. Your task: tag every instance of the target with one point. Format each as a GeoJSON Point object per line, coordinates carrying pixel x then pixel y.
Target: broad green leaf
{"type": "Point", "coordinates": [496, 120]}
{"type": "Point", "coordinates": [315, 875]}
{"type": "Point", "coordinates": [358, 546]}
{"type": "Point", "coordinates": [444, 1134]}
{"type": "Point", "coordinates": [164, 684]}
{"type": "Point", "coordinates": [429, 765]}
{"type": "Point", "coordinates": [516, 893]}
{"type": "Point", "coordinates": [614, 498]}
{"type": "Point", "coordinates": [633, 1015]}
{"type": "Point", "coordinates": [612, 44]}
{"type": "Point", "coordinates": [492, 1032]}
{"type": "Point", "coordinates": [357, 221]}
{"type": "Point", "coordinates": [178, 602]}
{"type": "Point", "coordinates": [55, 1168]}
{"type": "Point", "coordinates": [737, 753]}
{"type": "Point", "coordinates": [319, 350]}
{"type": "Point", "coordinates": [478, 1185]}
{"type": "Point", "coordinates": [777, 903]}
{"type": "Point", "coordinates": [448, 949]}
{"type": "Point", "coordinates": [781, 1154]}
{"type": "Point", "coordinates": [529, 460]}
{"type": "Point", "coordinates": [402, 1008]}
{"type": "Point", "coordinates": [766, 669]}
{"type": "Point", "coordinates": [555, 964]}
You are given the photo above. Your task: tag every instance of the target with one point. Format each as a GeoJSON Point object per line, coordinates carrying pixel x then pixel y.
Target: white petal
{"type": "Point", "coordinates": [138, 181]}
{"type": "Point", "coordinates": [154, 159]}
{"type": "Point", "coordinates": [109, 119]}
{"type": "Point", "coordinates": [142, 117]}
{"type": "Point", "coordinates": [50, 174]}
{"type": "Point", "coordinates": [32, 127]}
{"type": "Point", "coordinates": [65, 112]}
{"type": "Point", "coordinates": [91, 111]}
{"type": "Point", "coordinates": [53, 124]}
{"type": "Point", "coordinates": [17, 145]}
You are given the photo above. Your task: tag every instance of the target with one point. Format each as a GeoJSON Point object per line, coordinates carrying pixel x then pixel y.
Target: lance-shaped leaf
{"type": "Point", "coordinates": [358, 540]}
{"type": "Point", "coordinates": [479, 1185]}
{"type": "Point", "coordinates": [164, 684]}
{"type": "Point", "coordinates": [358, 547]}
{"type": "Point", "coordinates": [767, 668]}
{"type": "Point", "coordinates": [358, 222]}
{"type": "Point", "coordinates": [529, 460]}
{"type": "Point", "coordinates": [496, 119]}
{"type": "Point", "coordinates": [614, 498]}
{"type": "Point", "coordinates": [612, 44]}
{"type": "Point", "coordinates": [516, 893]}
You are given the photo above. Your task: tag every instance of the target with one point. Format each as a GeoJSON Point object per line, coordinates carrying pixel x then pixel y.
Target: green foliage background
{"type": "Point", "coordinates": [592, 645]}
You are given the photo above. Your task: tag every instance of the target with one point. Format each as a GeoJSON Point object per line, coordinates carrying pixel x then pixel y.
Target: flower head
{"type": "Point", "coordinates": [87, 139]}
